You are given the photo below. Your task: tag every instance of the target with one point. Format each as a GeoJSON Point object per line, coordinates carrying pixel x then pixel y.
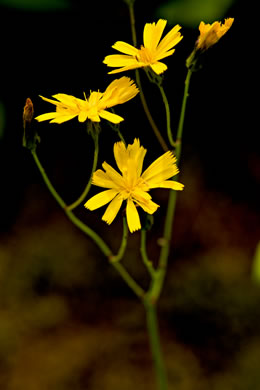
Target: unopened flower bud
{"type": "Point", "coordinates": [30, 136]}
{"type": "Point", "coordinates": [28, 112]}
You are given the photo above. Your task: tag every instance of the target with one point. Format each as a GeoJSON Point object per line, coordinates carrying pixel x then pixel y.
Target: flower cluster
{"type": "Point", "coordinates": [130, 184]}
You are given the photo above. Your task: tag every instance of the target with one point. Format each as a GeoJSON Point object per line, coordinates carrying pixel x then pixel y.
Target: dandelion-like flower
{"type": "Point", "coordinates": [93, 108]}
{"type": "Point", "coordinates": [132, 185]}
{"type": "Point", "coordinates": [151, 52]}
{"type": "Point", "coordinates": [211, 33]}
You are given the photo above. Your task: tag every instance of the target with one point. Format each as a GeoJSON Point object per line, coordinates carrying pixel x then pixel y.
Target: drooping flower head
{"type": "Point", "coordinates": [211, 33]}
{"type": "Point", "coordinates": [93, 108]}
{"type": "Point", "coordinates": [131, 184]}
{"type": "Point", "coordinates": [151, 52]}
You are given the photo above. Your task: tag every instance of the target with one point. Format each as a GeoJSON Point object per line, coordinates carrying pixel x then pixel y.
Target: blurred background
{"type": "Point", "coordinates": [67, 321]}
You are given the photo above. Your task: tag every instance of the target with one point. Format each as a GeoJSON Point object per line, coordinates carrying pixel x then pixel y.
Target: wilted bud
{"type": "Point", "coordinates": [30, 136]}
{"type": "Point", "coordinates": [28, 112]}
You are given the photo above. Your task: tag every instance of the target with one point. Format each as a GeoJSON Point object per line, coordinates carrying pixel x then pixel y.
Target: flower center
{"type": "Point", "coordinates": [145, 55]}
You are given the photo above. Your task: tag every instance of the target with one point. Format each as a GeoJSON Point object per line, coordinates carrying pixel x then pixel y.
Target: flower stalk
{"type": "Point", "coordinates": [148, 114]}
{"type": "Point", "coordinates": [95, 136]}
{"type": "Point", "coordinates": [155, 344]}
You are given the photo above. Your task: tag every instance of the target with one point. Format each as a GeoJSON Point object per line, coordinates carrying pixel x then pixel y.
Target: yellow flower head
{"type": "Point", "coordinates": [150, 53]}
{"type": "Point", "coordinates": [132, 185]}
{"type": "Point", "coordinates": [93, 108]}
{"type": "Point", "coordinates": [211, 33]}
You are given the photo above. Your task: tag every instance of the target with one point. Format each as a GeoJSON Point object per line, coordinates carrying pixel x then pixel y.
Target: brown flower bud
{"type": "Point", "coordinates": [28, 112]}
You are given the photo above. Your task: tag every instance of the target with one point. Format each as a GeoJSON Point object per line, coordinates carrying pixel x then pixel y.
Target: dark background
{"type": "Point", "coordinates": [59, 297]}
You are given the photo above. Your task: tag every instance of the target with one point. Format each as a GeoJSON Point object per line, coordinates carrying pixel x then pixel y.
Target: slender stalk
{"type": "Point", "coordinates": [182, 114]}
{"type": "Point", "coordinates": [132, 22]}
{"type": "Point", "coordinates": [52, 190]}
{"type": "Point", "coordinates": [157, 283]}
{"type": "Point", "coordinates": [168, 114]}
{"type": "Point", "coordinates": [139, 292]}
{"type": "Point", "coordinates": [94, 166]}
{"type": "Point", "coordinates": [154, 339]}
{"type": "Point", "coordinates": [138, 82]}
{"type": "Point", "coordinates": [84, 228]}
{"type": "Point", "coordinates": [120, 135]}
{"type": "Point", "coordinates": [147, 262]}
{"type": "Point", "coordinates": [116, 128]}
{"type": "Point", "coordinates": [123, 244]}
{"type": "Point", "coordinates": [148, 114]}
{"type": "Point", "coordinates": [89, 232]}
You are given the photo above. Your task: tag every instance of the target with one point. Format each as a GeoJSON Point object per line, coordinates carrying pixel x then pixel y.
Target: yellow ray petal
{"type": "Point", "coordinates": [115, 87]}
{"type": "Point", "coordinates": [152, 33]}
{"type": "Point", "coordinates": [130, 67]}
{"type": "Point", "coordinates": [117, 60]}
{"type": "Point", "coordinates": [67, 100]}
{"type": "Point", "coordinates": [149, 207]}
{"type": "Point", "coordinates": [161, 169]}
{"type": "Point", "coordinates": [121, 156]}
{"type": "Point", "coordinates": [132, 216]}
{"type": "Point", "coordinates": [158, 67]}
{"type": "Point", "coordinates": [164, 54]}
{"type": "Point", "coordinates": [119, 91]}
{"type": "Point", "coordinates": [113, 174]}
{"type": "Point", "coordinates": [136, 155]}
{"type": "Point", "coordinates": [110, 116]}
{"type": "Point", "coordinates": [144, 200]}
{"type": "Point", "coordinates": [125, 48]}
{"type": "Point", "coordinates": [61, 118]}
{"type": "Point", "coordinates": [50, 100]}
{"type": "Point", "coordinates": [170, 40]}
{"type": "Point", "coordinates": [173, 185]}
{"type": "Point", "coordinates": [112, 209]}
{"type": "Point", "coordinates": [46, 117]}
{"type": "Point", "coordinates": [101, 179]}
{"type": "Point", "coordinates": [83, 115]}
{"type": "Point", "coordinates": [100, 199]}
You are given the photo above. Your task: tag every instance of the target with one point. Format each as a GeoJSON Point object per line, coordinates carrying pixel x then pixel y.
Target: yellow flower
{"type": "Point", "coordinates": [150, 53]}
{"type": "Point", "coordinates": [132, 185]}
{"type": "Point", "coordinates": [68, 107]}
{"type": "Point", "coordinates": [211, 33]}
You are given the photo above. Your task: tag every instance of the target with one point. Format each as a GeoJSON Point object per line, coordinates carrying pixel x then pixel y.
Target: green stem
{"type": "Point", "coordinates": [116, 128]}
{"type": "Point", "coordinates": [84, 228]}
{"type": "Point", "coordinates": [147, 262]}
{"type": "Point", "coordinates": [148, 114]}
{"type": "Point", "coordinates": [182, 114]}
{"type": "Point", "coordinates": [168, 115]}
{"type": "Point", "coordinates": [132, 22]}
{"type": "Point", "coordinates": [138, 82]}
{"type": "Point", "coordinates": [52, 190]}
{"type": "Point", "coordinates": [157, 283]}
{"type": "Point", "coordinates": [94, 166]}
{"type": "Point", "coordinates": [89, 232]}
{"type": "Point", "coordinates": [154, 339]}
{"type": "Point", "coordinates": [139, 292]}
{"type": "Point", "coordinates": [123, 244]}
